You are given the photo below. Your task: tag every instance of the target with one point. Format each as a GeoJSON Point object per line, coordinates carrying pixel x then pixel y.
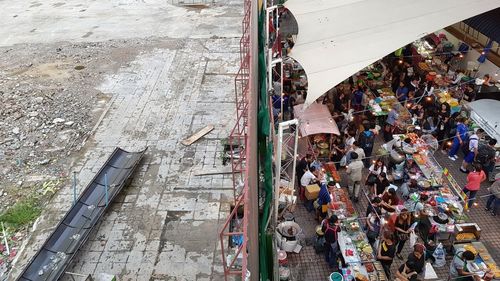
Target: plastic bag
{"type": "Point", "coordinates": [413, 239]}
{"type": "Point", "coordinates": [343, 161]}
{"type": "Point", "coordinates": [440, 256]}
{"type": "Point", "coordinates": [376, 245]}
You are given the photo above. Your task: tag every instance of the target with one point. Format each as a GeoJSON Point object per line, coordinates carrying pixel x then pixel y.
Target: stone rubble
{"type": "Point", "coordinates": [48, 108]}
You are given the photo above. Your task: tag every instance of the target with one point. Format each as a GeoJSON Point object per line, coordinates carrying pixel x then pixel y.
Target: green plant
{"type": "Point", "coordinates": [21, 213]}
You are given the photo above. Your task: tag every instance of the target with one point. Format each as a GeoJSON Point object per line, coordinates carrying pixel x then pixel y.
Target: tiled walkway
{"type": "Point", "coordinates": [310, 266]}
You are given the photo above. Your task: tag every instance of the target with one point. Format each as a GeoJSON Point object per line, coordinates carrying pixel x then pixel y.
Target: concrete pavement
{"type": "Point", "coordinates": [164, 226]}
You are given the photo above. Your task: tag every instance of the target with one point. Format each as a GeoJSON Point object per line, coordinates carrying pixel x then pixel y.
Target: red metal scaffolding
{"type": "Point", "coordinates": [236, 234]}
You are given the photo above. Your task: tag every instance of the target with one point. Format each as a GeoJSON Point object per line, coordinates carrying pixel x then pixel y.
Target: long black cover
{"type": "Point", "coordinates": [51, 260]}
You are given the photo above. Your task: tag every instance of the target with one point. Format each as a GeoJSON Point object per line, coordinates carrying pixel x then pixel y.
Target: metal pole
{"type": "Point", "coordinates": [74, 188]}
{"type": "Point", "coordinates": [281, 87]}
{"type": "Point", "coordinates": [269, 51]}
{"type": "Point", "coordinates": [252, 197]}
{"type": "Point", "coordinates": [295, 147]}
{"type": "Point", "coordinates": [277, 175]}
{"type": "Point", "coordinates": [106, 188]}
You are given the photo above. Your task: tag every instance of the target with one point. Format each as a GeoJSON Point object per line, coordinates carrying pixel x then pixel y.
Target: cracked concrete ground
{"type": "Point", "coordinates": [164, 225]}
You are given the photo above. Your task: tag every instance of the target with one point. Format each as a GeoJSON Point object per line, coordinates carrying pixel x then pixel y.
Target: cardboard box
{"type": "Point", "coordinates": [312, 191]}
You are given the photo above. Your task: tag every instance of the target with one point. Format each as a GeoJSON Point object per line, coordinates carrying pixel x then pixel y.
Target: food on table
{"type": "Point", "coordinates": [349, 253]}
{"type": "Point", "coordinates": [420, 159]}
{"type": "Point", "coordinates": [373, 277]}
{"type": "Point", "coordinates": [470, 248]}
{"type": "Point", "coordinates": [413, 137]}
{"type": "Point", "coordinates": [365, 257]}
{"type": "Point", "coordinates": [369, 267]}
{"type": "Point", "coordinates": [365, 248]}
{"type": "Point", "coordinates": [424, 66]}
{"type": "Point", "coordinates": [323, 145]}
{"type": "Point", "coordinates": [360, 237]}
{"type": "Point", "coordinates": [354, 226]}
{"type": "Point", "coordinates": [360, 277]}
{"type": "Point", "coordinates": [466, 236]}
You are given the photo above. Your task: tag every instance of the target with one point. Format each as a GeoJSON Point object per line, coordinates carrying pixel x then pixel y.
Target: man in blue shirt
{"type": "Point", "coordinates": [459, 138]}
{"type": "Point", "coordinates": [390, 125]}
{"type": "Point", "coordinates": [324, 199]}
{"type": "Point", "coordinates": [402, 92]}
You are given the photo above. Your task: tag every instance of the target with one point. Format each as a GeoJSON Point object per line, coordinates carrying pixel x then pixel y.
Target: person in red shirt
{"type": "Point", "coordinates": [474, 180]}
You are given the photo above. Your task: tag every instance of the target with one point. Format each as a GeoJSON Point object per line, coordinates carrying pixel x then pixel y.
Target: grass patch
{"type": "Point", "coordinates": [21, 213]}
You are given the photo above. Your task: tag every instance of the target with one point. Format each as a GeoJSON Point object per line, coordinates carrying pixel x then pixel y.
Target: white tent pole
{"type": "Point", "coordinates": [277, 175]}
{"type": "Point", "coordinates": [269, 52]}
{"type": "Point", "coordinates": [295, 147]}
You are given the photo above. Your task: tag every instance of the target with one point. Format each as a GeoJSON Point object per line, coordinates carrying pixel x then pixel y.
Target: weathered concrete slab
{"type": "Point", "coordinates": [164, 225]}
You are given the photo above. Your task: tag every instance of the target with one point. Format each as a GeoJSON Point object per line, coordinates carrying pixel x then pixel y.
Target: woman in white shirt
{"type": "Point", "coordinates": [429, 89]}
{"type": "Point", "coordinates": [378, 167]}
{"type": "Point", "coordinates": [374, 171]}
{"type": "Point", "coordinates": [459, 77]}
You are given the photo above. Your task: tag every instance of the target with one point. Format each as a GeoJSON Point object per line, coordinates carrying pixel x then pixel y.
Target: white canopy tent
{"type": "Point", "coordinates": [337, 38]}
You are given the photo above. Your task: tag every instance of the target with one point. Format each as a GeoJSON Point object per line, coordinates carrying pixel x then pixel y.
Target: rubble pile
{"type": "Point", "coordinates": [49, 106]}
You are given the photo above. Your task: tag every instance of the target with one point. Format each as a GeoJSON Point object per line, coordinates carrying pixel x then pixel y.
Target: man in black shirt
{"type": "Point", "coordinates": [386, 252]}
{"type": "Point", "coordinates": [331, 229]}
{"type": "Point", "coordinates": [374, 206]}
{"type": "Point", "coordinates": [303, 166]}
{"type": "Point", "coordinates": [486, 154]}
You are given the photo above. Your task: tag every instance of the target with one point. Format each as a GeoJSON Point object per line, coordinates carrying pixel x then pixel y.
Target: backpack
{"type": "Point", "coordinates": [483, 153]}
{"type": "Point", "coordinates": [367, 139]}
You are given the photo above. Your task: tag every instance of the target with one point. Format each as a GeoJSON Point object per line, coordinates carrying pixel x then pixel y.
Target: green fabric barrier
{"type": "Point", "coordinates": [265, 159]}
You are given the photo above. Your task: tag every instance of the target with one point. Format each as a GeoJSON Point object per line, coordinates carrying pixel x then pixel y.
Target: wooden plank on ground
{"type": "Point", "coordinates": [196, 136]}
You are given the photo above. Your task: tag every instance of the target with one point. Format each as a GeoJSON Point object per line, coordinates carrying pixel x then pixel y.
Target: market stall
{"type": "Point", "coordinates": [358, 254]}
{"type": "Point", "coordinates": [444, 208]}
{"type": "Point", "coordinates": [316, 125]}
{"type": "Point", "coordinates": [381, 105]}
{"type": "Point", "coordinates": [449, 97]}
{"type": "Point", "coordinates": [483, 261]}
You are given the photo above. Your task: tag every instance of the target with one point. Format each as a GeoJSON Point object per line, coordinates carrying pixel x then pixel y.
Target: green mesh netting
{"type": "Point", "coordinates": [265, 159]}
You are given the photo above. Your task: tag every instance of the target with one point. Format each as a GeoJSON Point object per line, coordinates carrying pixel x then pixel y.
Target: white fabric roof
{"type": "Point", "coordinates": [337, 38]}
{"type": "Point", "coordinates": [315, 119]}
{"type": "Point", "coordinates": [485, 114]}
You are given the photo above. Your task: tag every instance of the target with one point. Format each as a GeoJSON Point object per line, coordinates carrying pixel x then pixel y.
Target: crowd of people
{"type": "Point", "coordinates": [354, 152]}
